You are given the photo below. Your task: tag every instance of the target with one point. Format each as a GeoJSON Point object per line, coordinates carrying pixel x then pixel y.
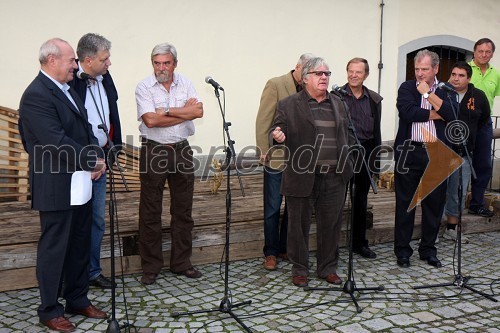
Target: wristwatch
{"type": "Point", "coordinates": [426, 95]}
{"type": "Point", "coordinates": [167, 111]}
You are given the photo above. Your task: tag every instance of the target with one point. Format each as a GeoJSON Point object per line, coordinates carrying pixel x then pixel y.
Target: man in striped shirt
{"type": "Point", "coordinates": [423, 114]}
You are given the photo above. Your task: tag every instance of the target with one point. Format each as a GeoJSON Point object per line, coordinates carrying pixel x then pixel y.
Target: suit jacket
{"type": "Point", "coordinates": [59, 141]}
{"type": "Point", "coordinates": [275, 90]}
{"type": "Point", "coordinates": [80, 87]}
{"type": "Point", "coordinates": [294, 117]}
{"type": "Point", "coordinates": [409, 110]}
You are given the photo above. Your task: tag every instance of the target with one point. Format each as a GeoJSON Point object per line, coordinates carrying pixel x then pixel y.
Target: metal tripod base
{"type": "Point", "coordinates": [113, 327]}
{"type": "Point", "coordinates": [349, 288]}
{"type": "Point", "coordinates": [460, 282]}
{"type": "Point", "coordinates": [224, 307]}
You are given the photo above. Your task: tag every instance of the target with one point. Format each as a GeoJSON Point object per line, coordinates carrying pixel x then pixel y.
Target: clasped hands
{"type": "Point", "coordinates": [99, 169]}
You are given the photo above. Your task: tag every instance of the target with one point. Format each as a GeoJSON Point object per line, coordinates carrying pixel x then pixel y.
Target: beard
{"type": "Point", "coordinates": [163, 76]}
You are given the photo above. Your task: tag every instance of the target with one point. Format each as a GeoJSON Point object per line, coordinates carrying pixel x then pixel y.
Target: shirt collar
{"type": "Point", "coordinates": [98, 77]}
{"type": "Point", "coordinates": [64, 87]}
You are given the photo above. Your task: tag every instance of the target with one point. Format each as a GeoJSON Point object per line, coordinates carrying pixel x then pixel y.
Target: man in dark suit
{"type": "Point", "coordinates": [423, 113]}
{"type": "Point", "coordinates": [97, 90]}
{"type": "Point", "coordinates": [61, 147]}
{"type": "Point", "coordinates": [313, 127]}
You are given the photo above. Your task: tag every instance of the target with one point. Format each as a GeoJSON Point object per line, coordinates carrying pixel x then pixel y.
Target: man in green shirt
{"type": "Point", "coordinates": [486, 78]}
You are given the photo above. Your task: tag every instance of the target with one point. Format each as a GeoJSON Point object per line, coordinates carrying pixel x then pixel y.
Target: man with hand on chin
{"type": "Point", "coordinates": [423, 112]}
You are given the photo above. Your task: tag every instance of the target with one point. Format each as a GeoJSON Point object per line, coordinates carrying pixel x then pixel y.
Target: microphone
{"type": "Point", "coordinates": [214, 84]}
{"type": "Point", "coordinates": [339, 89]}
{"type": "Point", "coordinates": [84, 76]}
{"type": "Point", "coordinates": [445, 87]}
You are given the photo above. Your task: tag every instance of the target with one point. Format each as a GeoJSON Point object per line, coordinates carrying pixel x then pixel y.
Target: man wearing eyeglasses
{"type": "Point", "coordinates": [486, 78]}
{"type": "Point", "coordinates": [275, 233]}
{"type": "Point", "coordinates": [313, 128]}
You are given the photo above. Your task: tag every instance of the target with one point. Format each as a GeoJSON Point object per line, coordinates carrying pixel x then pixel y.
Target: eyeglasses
{"type": "Point", "coordinates": [320, 73]}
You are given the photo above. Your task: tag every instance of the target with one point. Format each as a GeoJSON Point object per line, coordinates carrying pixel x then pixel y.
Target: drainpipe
{"type": "Point", "coordinates": [380, 63]}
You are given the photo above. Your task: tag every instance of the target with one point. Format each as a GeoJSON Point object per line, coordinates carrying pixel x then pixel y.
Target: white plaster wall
{"type": "Point", "coordinates": [240, 44]}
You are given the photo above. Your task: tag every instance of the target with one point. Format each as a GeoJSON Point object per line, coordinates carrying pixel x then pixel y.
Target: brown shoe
{"type": "Point", "coordinates": [60, 324]}
{"type": "Point", "coordinates": [191, 273]}
{"type": "Point", "coordinates": [333, 278]}
{"type": "Point", "coordinates": [300, 280]}
{"type": "Point", "coordinates": [270, 263]}
{"type": "Point", "coordinates": [89, 312]}
{"type": "Point", "coordinates": [148, 278]}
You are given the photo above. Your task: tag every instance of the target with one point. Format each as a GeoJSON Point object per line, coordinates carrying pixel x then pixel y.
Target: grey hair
{"type": "Point", "coordinates": [48, 48]}
{"type": "Point", "coordinates": [90, 44]}
{"type": "Point", "coordinates": [433, 55]}
{"type": "Point", "coordinates": [164, 48]}
{"type": "Point", "coordinates": [311, 65]}
{"type": "Point", "coordinates": [305, 58]}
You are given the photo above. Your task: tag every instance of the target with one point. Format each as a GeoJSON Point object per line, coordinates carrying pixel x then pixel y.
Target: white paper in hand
{"type": "Point", "coordinates": [81, 188]}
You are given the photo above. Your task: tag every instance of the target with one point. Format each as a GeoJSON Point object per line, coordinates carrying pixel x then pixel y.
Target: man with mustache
{"type": "Point", "coordinates": [167, 104]}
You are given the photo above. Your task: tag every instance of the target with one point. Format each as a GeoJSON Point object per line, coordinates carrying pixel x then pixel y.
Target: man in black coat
{"type": "Point", "coordinates": [61, 147]}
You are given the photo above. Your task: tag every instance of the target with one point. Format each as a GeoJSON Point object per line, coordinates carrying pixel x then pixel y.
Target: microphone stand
{"type": "Point", "coordinates": [226, 306]}
{"type": "Point", "coordinates": [460, 280]}
{"type": "Point", "coordinates": [111, 159]}
{"type": "Point", "coordinates": [350, 285]}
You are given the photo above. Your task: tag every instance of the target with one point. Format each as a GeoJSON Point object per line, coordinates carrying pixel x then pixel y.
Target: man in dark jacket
{"type": "Point", "coordinates": [365, 107]}
{"type": "Point", "coordinates": [94, 85]}
{"type": "Point", "coordinates": [313, 127]}
{"type": "Point", "coordinates": [62, 149]}
{"type": "Point", "coordinates": [473, 114]}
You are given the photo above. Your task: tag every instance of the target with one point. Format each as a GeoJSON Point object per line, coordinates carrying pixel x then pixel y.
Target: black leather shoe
{"type": "Point", "coordinates": [433, 261]}
{"type": "Point", "coordinates": [481, 211]}
{"type": "Point", "coordinates": [101, 282]}
{"type": "Point", "coordinates": [404, 262]}
{"type": "Point", "coordinates": [365, 252]}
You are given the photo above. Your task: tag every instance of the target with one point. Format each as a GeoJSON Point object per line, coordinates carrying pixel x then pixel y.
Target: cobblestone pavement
{"type": "Point", "coordinates": [278, 306]}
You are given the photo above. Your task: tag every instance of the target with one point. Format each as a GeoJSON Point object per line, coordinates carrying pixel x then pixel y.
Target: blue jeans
{"type": "Point", "coordinates": [275, 233]}
{"type": "Point", "coordinates": [452, 190]}
{"type": "Point", "coordinates": [481, 162]}
{"type": "Point", "coordinates": [98, 225]}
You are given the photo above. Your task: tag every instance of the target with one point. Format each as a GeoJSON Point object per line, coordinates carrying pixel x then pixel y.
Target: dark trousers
{"type": "Point", "coordinates": [359, 197]}
{"type": "Point", "coordinates": [275, 231]}
{"type": "Point", "coordinates": [63, 254]}
{"type": "Point", "coordinates": [327, 199]}
{"type": "Point", "coordinates": [406, 184]}
{"type": "Point", "coordinates": [481, 161]}
{"type": "Point", "coordinates": [158, 164]}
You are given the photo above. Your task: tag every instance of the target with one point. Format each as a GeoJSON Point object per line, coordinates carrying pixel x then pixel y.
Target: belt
{"type": "Point", "coordinates": [175, 146]}
{"type": "Point", "coordinates": [418, 144]}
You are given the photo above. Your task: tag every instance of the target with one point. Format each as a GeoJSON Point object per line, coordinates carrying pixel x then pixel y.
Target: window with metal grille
{"type": "Point", "coordinates": [448, 56]}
